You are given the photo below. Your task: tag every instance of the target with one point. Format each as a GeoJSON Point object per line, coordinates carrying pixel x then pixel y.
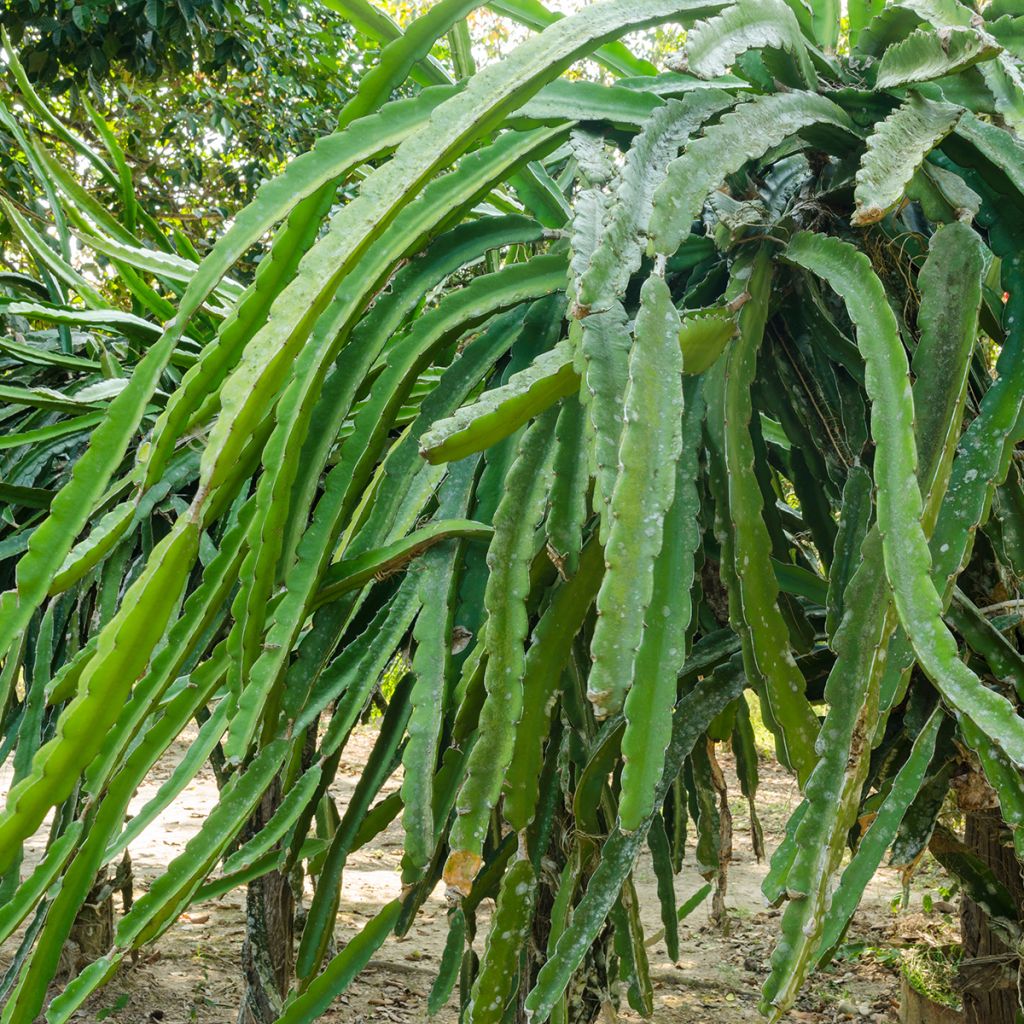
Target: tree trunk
{"type": "Point", "coordinates": [989, 972]}
{"type": "Point", "coordinates": [591, 995]}
{"type": "Point", "coordinates": [267, 954]}
{"type": "Point", "coordinates": [92, 933]}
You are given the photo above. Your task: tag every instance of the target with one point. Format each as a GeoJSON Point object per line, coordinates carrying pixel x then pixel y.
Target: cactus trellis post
{"type": "Point", "coordinates": [594, 412]}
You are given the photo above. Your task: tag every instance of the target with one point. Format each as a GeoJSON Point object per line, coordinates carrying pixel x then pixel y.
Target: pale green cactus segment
{"type": "Point", "coordinates": [342, 968]}
{"type": "Point", "coordinates": [302, 195]}
{"type": "Point", "coordinates": [1006, 84]}
{"type": "Point", "coordinates": [172, 892]}
{"type": "Point", "coordinates": [508, 558]}
{"type": "Point", "coordinates": [550, 647]}
{"type": "Point", "coordinates": [303, 358]}
{"type": "Point", "coordinates": [714, 440]}
{"type": "Point", "coordinates": [981, 636]}
{"type": "Point", "coordinates": [303, 210]}
{"type": "Point", "coordinates": [982, 460]}
{"type": "Point", "coordinates": [98, 843]}
{"type": "Point", "coordinates": [610, 251]}
{"type": "Point", "coordinates": [198, 614]}
{"type": "Point", "coordinates": [880, 834]}
{"type": "Point", "coordinates": [984, 451]}
{"type": "Point", "coordinates": [768, 652]}
{"type": "Point", "coordinates": [1007, 28]}
{"type": "Point", "coordinates": [431, 666]}
{"type": "Point", "coordinates": [900, 507]}
{"type": "Point", "coordinates": [351, 573]}
{"type": "Point", "coordinates": [1004, 777]}
{"type": "Point", "coordinates": [510, 930]}
{"type": "Point", "coordinates": [833, 790]}
{"type": "Point", "coordinates": [283, 819]}
{"type": "Point", "coordinates": [602, 345]}
{"type": "Point", "coordinates": [33, 888]}
{"type": "Point", "coordinates": [950, 284]}
{"type": "Point", "coordinates": [451, 962]}
{"type": "Point", "coordinates": [600, 340]}
{"type": "Point", "coordinates": [745, 133]}
{"type": "Point", "coordinates": [718, 486]}
{"type": "Point", "coordinates": [60, 1011]}
{"type": "Point", "coordinates": [648, 705]}
{"type": "Point", "coordinates": [943, 195]}
{"type": "Point", "coordinates": [79, 876]}
{"type": "Point", "coordinates": [996, 145]}
{"type": "Point", "coordinates": [703, 336]}
{"type": "Point", "coordinates": [382, 761]}
{"type": "Point", "coordinates": [856, 688]}
{"type": "Point", "coordinates": [405, 483]}
{"type": "Point", "coordinates": [628, 219]}
{"type": "Point", "coordinates": [713, 46]}
{"type": "Point", "coordinates": [568, 507]}
{"type": "Point", "coordinates": [121, 657]}
{"type": "Point", "coordinates": [773, 885]}
{"type": "Point", "coordinates": [586, 101]}
{"type": "Point", "coordinates": [615, 56]}
{"type": "Point", "coordinates": [925, 55]}
{"type": "Point", "coordinates": [588, 221]}
{"type": "Point", "coordinates": [650, 447]}
{"type": "Point", "coordinates": [70, 509]}
{"type": "Point", "coordinates": [88, 553]}
{"type": "Point", "coordinates": [185, 770]}
{"type": "Point", "coordinates": [896, 149]}
{"type": "Point", "coordinates": [854, 519]}
{"type": "Point", "coordinates": [503, 410]}
{"type": "Point", "coordinates": [349, 679]}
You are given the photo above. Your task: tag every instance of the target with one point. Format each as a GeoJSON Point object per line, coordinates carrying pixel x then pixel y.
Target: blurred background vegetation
{"type": "Point", "coordinates": [206, 98]}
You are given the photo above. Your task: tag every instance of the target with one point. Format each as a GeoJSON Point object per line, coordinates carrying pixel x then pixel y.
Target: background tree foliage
{"type": "Point", "coordinates": [64, 41]}
{"type": "Point", "coordinates": [578, 411]}
{"type": "Point", "coordinates": [206, 100]}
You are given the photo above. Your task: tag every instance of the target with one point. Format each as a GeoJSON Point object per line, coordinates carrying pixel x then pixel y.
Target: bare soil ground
{"type": "Point", "coordinates": [192, 973]}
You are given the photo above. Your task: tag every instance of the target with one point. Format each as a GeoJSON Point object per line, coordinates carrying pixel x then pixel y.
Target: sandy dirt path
{"type": "Point", "coordinates": [192, 973]}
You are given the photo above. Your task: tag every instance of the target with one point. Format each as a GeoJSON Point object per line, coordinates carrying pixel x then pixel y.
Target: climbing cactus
{"type": "Point", "coordinates": [568, 422]}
